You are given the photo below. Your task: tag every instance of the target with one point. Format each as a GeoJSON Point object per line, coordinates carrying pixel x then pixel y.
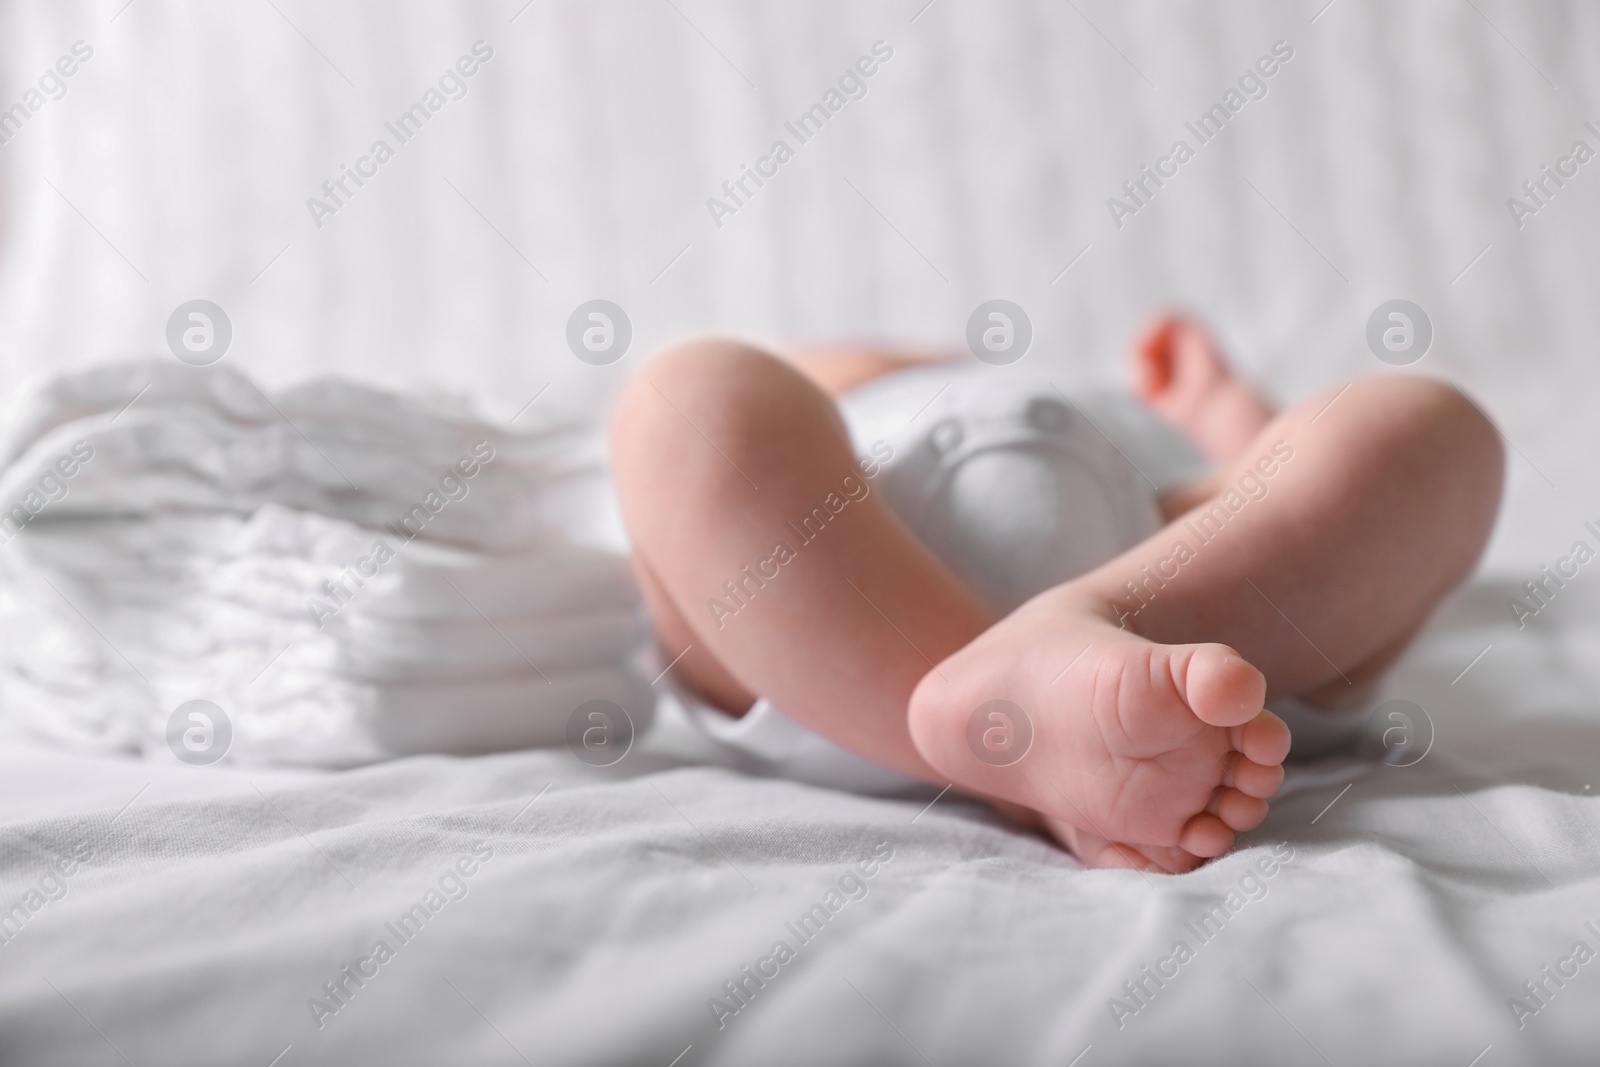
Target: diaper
{"type": "Point", "coordinates": [1013, 484]}
{"type": "Point", "coordinates": [1016, 486]}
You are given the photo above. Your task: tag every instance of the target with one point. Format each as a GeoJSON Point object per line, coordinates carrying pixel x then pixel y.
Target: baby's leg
{"type": "Point", "coordinates": [1379, 501]}
{"type": "Point", "coordinates": [721, 455]}
{"type": "Point", "coordinates": [1179, 371]}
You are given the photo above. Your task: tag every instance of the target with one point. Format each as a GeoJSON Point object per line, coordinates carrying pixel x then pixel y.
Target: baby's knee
{"type": "Point", "coordinates": [1412, 413]}
{"type": "Point", "coordinates": [1436, 435]}
{"type": "Point", "coordinates": [695, 375]}
{"type": "Point", "coordinates": [1453, 422]}
{"type": "Point", "coordinates": [719, 399]}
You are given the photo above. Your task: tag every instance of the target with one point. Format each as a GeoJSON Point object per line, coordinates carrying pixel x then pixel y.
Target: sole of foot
{"type": "Point", "coordinates": [1136, 754]}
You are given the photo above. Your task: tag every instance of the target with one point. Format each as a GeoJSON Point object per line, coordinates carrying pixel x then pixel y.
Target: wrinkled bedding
{"type": "Point", "coordinates": [1409, 909]}
{"type": "Point", "coordinates": [618, 902]}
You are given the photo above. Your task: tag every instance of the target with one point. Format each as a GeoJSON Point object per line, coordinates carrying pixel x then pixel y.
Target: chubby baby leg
{"type": "Point", "coordinates": [1299, 564]}
{"type": "Point", "coordinates": [763, 547]}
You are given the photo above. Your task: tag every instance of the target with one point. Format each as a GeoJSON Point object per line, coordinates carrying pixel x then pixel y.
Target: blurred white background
{"type": "Point", "coordinates": [180, 160]}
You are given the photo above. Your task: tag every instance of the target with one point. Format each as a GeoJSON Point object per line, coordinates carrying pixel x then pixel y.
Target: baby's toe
{"type": "Point", "coordinates": [1097, 852]}
{"type": "Point", "coordinates": [1170, 860]}
{"type": "Point", "coordinates": [1205, 835]}
{"type": "Point", "coordinates": [1253, 779]}
{"type": "Point", "coordinates": [1263, 740]}
{"type": "Point", "coordinates": [1123, 857]}
{"type": "Point", "coordinates": [1221, 688]}
{"type": "Point", "coordinates": [1152, 358]}
{"type": "Point", "coordinates": [1093, 850]}
{"type": "Point", "coordinates": [1239, 811]}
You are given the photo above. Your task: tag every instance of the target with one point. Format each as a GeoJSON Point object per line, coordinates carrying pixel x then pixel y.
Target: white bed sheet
{"type": "Point", "coordinates": [619, 902]}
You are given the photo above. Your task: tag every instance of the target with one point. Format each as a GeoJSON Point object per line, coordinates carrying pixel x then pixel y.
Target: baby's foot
{"type": "Point", "coordinates": [1141, 754]}
{"type": "Point", "coordinates": [1179, 371]}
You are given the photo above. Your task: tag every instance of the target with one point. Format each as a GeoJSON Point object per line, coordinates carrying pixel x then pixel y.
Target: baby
{"type": "Point", "coordinates": [1037, 607]}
